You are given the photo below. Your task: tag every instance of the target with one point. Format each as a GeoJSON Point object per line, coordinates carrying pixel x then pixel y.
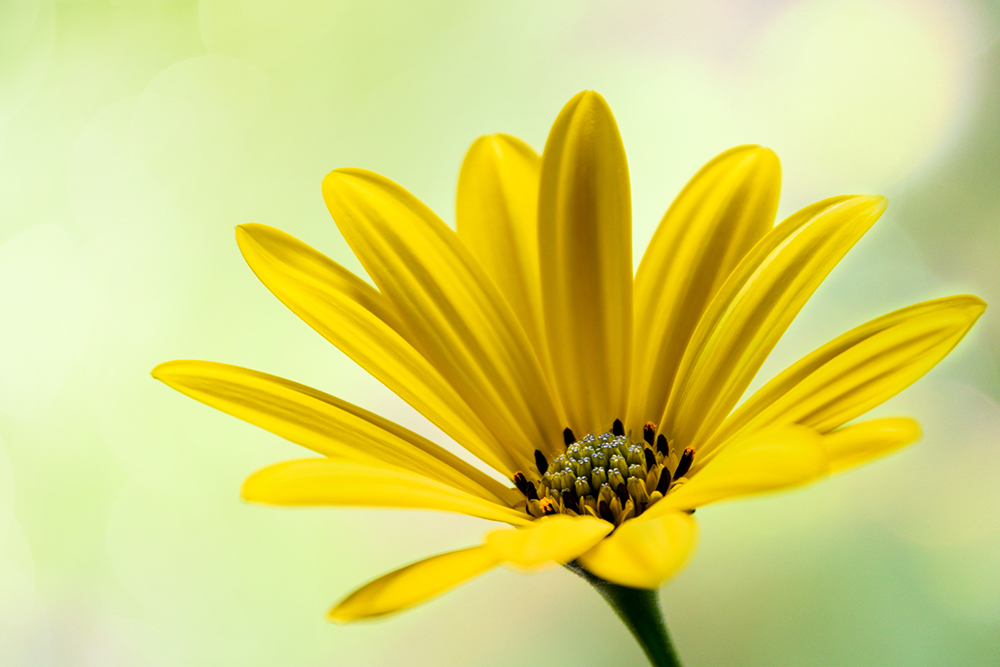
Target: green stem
{"type": "Point", "coordinates": [639, 610]}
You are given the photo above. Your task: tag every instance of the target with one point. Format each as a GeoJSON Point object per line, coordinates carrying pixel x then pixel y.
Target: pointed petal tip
{"type": "Point", "coordinates": [338, 616]}
{"type": "Point", "coordinates": [754, 150]}
{"type": "Point", "coordinates": [249, 229]}
{"type": "Point", "coordinates": [757, 159]}
{"type": "Point", "coordinates": [163, 370]}
{"type": "Point", "coordinates": [344, 175]}
{"type": "Point", "coordinates": [912, 427]}
{"type": "Point", "coordinates": [968, 308]}
{"type": "Point", "coordinates": [254, 489]}
{"type": "Point", "coordinates": [878, 203]}
{"type": "Point", "coordinates": [976, 305]}
{"type": "Point", "coordinates": [495, 146]}
{"type": "Point", "coordinates": [248, 233]}
{"type": "Point", "coordinates": [586, 104]}
{"type": "Point", "coordinates": [248, 488]}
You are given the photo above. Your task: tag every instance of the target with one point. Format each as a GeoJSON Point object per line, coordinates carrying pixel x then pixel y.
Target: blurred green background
{"type": "Point", "coordinates": [135, 135]}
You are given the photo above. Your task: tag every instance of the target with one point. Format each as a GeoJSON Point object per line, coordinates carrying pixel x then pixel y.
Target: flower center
{"type": "Point", "coordinates": [606, 475]}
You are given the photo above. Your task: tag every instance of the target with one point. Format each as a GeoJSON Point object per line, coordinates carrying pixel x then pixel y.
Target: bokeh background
{"type": "Point", "coordinates": [135, 135]}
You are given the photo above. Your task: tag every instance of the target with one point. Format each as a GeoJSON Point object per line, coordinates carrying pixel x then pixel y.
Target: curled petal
{"type": "Point", "coordinates": [413, 584]}
{"type": "Point", "coordinates": [766, 461]}
{"type": "Point", "coordinates": [644, 552]}
{"type": "Point", "coordinates": [854, 445]}
{"type": "Point", "coordinates": [558, 538]}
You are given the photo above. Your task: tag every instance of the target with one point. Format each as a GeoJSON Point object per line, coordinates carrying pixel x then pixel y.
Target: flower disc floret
{"type": "Point", "coordinates": [605, 475]}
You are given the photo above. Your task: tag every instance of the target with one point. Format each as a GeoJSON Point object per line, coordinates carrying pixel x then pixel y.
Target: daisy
{"type": "Point", "coordinates": [609, 401]}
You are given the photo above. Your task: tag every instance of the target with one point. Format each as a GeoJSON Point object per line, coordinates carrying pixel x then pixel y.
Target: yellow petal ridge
{"type": "Point", "coordinates": [326, 482]}
{"type": "Point", "coordinates": [858, 370]}
{"type": "Point", "coordinates": [452, 311]}
{"type": "Point", "coordinates": [711, 225]}
{"type": "Point", "coordinates": [354, 317]}
{"type": "Point", "coordinates": [644, 552]}
{"type": "Point", "coordinates": [554, 539]}
{"type": "Point", "coordinates": [496, 216]}
{"type": "Point", "coordinates": [585, 245]}
{"type": "Point", "coordinates": [323, 423]}
{"type": "Point", "coordinates": [753, 309]}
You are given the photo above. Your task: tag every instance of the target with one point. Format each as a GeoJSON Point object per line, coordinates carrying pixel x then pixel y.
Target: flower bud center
{"type": "Point", "coordinates": [604, 475]}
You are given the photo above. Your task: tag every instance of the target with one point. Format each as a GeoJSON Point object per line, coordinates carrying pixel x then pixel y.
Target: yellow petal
{"type": "Point", "coordinates": [321, 422]}
{"type": "Point", "coordinates": [766, 461]}
{"type": "Point", "coordinates": [721, 213]}
{"type": "Point", "coordinates": [453, 312]}
{"type": "Point", "coordinates": [496, 217]}
{"type": "Point", "coordinates": [859, 370]}
{"type": "Point", "coordinates": [359, 321]}
{"type": "Point", "coordinates": [326, 482]}
{"type": "Point", "coordinates": [585, 249]}
{"type": "Point", "coordinates": [558, 538]}
{"type": "Point", "coordinates": [644, 552]}
{"type": "Point", "coordinates": [413, 584]}
{"type": "Point", "coordinates": [860, 443]}
{"type": "Point", "coordinates": [754, 307]}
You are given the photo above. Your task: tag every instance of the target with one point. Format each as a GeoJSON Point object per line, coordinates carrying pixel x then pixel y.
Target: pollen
{"type": "Point", "coordinates": [606, 475]}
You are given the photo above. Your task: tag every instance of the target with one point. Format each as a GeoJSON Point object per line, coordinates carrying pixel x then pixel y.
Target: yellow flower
{"type": "Point", "coordinates": [608, 400]}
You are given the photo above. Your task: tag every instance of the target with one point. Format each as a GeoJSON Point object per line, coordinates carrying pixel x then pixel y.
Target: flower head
{"type": "Point", "coordinates": [608, 400]}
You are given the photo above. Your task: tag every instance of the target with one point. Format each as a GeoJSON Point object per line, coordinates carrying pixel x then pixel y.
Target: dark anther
{"type": "Point", "coordinates": [568, 436]}
{"type": "Point", "coordinates": [521, 482]}
{"type": "Point", "coordinates": [548, 507]}
{"type": "Point", "coordinates": [649, 433]}
{"type": "Point", "coordinates": [622, 493]}
{"type": "Point", "coordinates": [686, 458]}
{"type": "Point", "coordinates": [661, 445]}
{"type": "Point", "coordinates": [531, 492]}
{"type": "Point", "coordinates": [605, 511]}
{"type": "Point", "coordinates": [618, 428]}
{"type": "Point", "coordinates": [541, 462]}
{"type": "Point", "coordinates": [650, 458]}
{"type": "Point", "coordinates": [569, 500]}
{"type": "Point", "coordinates": [664, 482]}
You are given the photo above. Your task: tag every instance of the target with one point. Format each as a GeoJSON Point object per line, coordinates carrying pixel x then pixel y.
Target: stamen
{"type": "Point", "coordinates": [521, 482]}
{"type": "Point", "coordinates": [622, 493]}
{"type": "Point", "coordinates": [569, 500]}
{"type": "Point", "coordinates": [541, 462]}
{"type": "Point", "coordinates": [664, 482]}
{"type": "Point", "coordinates": [548, 507]}
{"type": "Point", "coordinates": [604, 474]}
{"type": "Point", "coordinates": [686, 459]}
{"type": "Point", "coordinates": [604, 509]}
{"type": "Point", "coordinates": [650, 458]}
{"type": "Point", "coordinates": [649, 433]}
{"type": "Point", "coordinates": [637, 490]}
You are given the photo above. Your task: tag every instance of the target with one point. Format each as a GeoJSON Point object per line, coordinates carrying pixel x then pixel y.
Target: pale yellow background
{"type": "Point", "coordinates": [135, 135]}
